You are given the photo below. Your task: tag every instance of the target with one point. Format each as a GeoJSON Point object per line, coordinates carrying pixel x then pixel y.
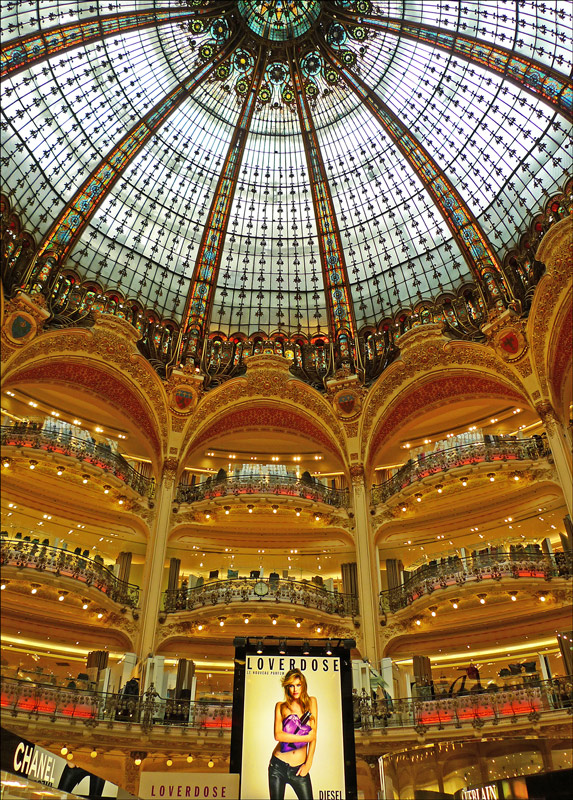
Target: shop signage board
{"type": "Point", "coordinates": [190, 785]}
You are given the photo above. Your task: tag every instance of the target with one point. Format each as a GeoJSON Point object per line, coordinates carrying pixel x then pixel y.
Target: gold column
{"type": "Point", "coordinates": [558, 441]}
{"type": "Point", "coordinates": [155, 561]}
{"type": "Point", "coordinates": [367, 568]}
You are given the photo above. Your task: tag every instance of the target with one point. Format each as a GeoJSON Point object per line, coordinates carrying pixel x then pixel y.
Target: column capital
{"type": "Point", "coordinates": [546, 413]}
{"type": "Point", "coordinates": [357, 474]}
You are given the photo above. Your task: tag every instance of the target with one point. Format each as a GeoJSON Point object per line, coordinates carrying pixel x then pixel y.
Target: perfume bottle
{"type": "Point", "coordinates": [294, 724]}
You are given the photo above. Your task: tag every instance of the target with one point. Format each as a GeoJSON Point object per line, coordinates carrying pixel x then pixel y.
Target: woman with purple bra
{"type": "Point", "coordinates": [295, 732]}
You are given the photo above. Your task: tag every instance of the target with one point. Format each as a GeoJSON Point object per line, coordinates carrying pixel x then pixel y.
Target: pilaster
{"type": "Point", "coordinates": [367, 568]}
{"type": "Point", "coordinates": [558, 439]}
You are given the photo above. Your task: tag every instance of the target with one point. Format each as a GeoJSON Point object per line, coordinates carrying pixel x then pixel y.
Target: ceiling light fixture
{"type": "Point", "coordinates": [481, 598]}
{"type": "Point", "coordinates": [455, 603]}
{"type": "Point", "coordinates": [250, 508]}
{"type": "Point", "coordinates": [433, 610]}
{"type": "Point", "coordinates": [33, 464]}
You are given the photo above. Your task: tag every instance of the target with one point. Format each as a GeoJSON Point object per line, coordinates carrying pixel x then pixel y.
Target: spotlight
{"type": "Point", "coordinates": [70, 756]}
{"type": "Point", "coordinates": [318, 629]}
{"type": "Point", "coordinates": [404, 508]}
{"type": "Point", "coordinates": [222, 621]}
{"type": "Point", "coordinates": [106, 489]}
{"type": "Point", "coordinates": [433, 610]}
{"type": "Point", "coordinates": [317, 517]}
{"type": "Point", "coordinates": [200, 626]}
{"type": "Point", "coordinates": [250, 508]}
{"type": "Point", "coordinates": [189, 759]}
{"type": "Point", "coordinates": [64, 750]}
{"type": "Point", "coordinates": [121, 500]}
{"type": "Point", "coordinates": [275, 509]}
{"type": "Point", "coordinates": [298, 621]}
{"type": "Point", "coordinates": [274, 618]}
{"type": "Point", "coordinates": [464, 481]}
{"type": "Point", "coordinates": [305, 649]}
{"type": "Point", "coordinates": [516, 477]}
{"type": "Point", "coordinates": [60, 470]}
{"type": "Point", "coordinates": [439, 488]}
{"type": "Point", "coordinates": [210, 763]}
{"type": "Point", "coordinates": [100, 615]}
{"type": "Point", "coordinates": [6, 462]}
{"type": "Point", "coordinates": [329, 648]}
{"type": "Point", "coordinates": [418, 497]}
{"type": "Point", "coordinates": [259, 647]}
{"type": "Point", "coordinates": [93, 754]}
{"type": "Point", "coordinates": [62, 595]}
{"type": "Point", "coordinates": [35, 587]}
{"type": "Point", "coordinates": [455, 603]}
{"type": "Point", "coordinates": [85, 604]}
{"type": "Point", "coordinates": [246, 618]}
{"type": "Point", "coordinates": [481, 598]}
{"type": "Point", "coordinates": [227, 509]}
{"type": "Point", "coordinates": [418, 621]}
{"type": "Point", "coordinates": [207, 515]}
{"type": "Point", "coordinates": [3, 585]}
{"type": "Point", "coordinates": [282, 647]}
{"type": "Point", "coordinates": [542, 596]}
{"type": "Point", "coordinates": [33, 464]}
{"type": "Point", "coordinates": [169, 762]}
{"type": "Point", "coordinates": [297, 511]}
{"type": "Point", "coordinates": [513, 596]}
{"type": "Point", "coordinates": [85, 478]}
{"type": "Point", "coordinates": [491, 476]}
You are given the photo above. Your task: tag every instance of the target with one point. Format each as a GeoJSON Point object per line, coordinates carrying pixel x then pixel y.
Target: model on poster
{"type": "Point", "coordinates": [296, 720]}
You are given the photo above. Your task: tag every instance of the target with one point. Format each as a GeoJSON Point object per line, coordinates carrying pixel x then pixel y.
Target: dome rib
{"type": "Point", "coordinates": [341, 317]}
{"type": "Point", "coordinates": [199, 302]}
{"type": "Point", "coordinates": [530, 75]}
{"type": "Point", "coordinates": [68, 227]}
{"type": "Point", "coordinates": [27, 51]}
{"type": "Point", "coordinates": [475, 246]}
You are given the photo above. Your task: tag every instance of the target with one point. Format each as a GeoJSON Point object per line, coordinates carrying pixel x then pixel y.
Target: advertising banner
{"type": "Point", "coordinates": [23, 758]}
{"type": "Point", "coordinates": [294, 712]}
{"type": "Point", "coordinates": [192, 785]}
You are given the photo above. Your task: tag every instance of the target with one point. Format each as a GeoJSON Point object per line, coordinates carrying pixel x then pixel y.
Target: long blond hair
{"type": "Point", "coordinates": [304, 699]}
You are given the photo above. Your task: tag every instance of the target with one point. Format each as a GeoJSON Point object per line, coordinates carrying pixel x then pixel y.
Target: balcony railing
{"type": "Point", "coordinates": [460, 456]}
{"type": "Point", "coordinates": [80, 449]}
{"type": "Point", "coordinates": [457, 571]}
{"type": "Point", "coordinates": [91, 707]}
{"type": "Point", "coordinates": [278, 590]}
{"type": "Point", "coordinates": [264, 484]}
{"type": "Point", "coordinates": [475, 707]}
{"type": "Point", "coordinates": [45, 558]}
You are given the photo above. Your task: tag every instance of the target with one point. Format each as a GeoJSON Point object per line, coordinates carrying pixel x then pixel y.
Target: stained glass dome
{"type": "Point", "coordinates": [300, 167]}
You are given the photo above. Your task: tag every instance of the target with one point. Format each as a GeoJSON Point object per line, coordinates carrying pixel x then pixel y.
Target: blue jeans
{"type": "Point", "coordinates": [281, 773]}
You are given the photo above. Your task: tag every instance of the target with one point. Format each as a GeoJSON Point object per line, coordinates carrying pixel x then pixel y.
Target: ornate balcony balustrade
{"type": "Point", "coordinates": [45, 558]}
{"type": "Point", "coordinates": [276, 590]}
{"type": "Point", "coordinates": [63, 443]}
{"type": "Point", "coordinates": [457, 571]}
{"type": "Point", "coordinates": [264, 484]}
{"type": "Point", "coordinates": [461, 456]}
{"type": "Point", "coordinates": [476, 707]}
{"type": "Point", "coordinates": [93, 708]}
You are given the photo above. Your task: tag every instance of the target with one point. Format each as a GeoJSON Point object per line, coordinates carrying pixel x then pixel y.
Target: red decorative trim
{"type": "Point", "coordinates": [562, 354]}
{"type": "Point", "coordinates": [98, 382]}
{"type": "Point", "coordinates": [265, 417]}
{"type": "Point", "coordinates": [432, 392]}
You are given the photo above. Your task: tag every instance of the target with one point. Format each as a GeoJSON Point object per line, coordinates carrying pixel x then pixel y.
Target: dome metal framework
{"type": "Point", "coordinates": [294, 169]}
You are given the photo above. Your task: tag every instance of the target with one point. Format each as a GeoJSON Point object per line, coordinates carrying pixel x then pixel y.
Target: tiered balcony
{"type": "Point", "coordinates": [43, 558]}
{"type": "Point", "coordinates": [263, 485]}
{"type": "Point", "coordinates": [466, 456]}
{"type": "Point", "coordinates": [248, 591]}
{"type": "Point", "coordinates": [21, 438]}
{"type": "Point", "coordinates": [494, 566]}
{"type": "Point", "coordinates": [545, 702]}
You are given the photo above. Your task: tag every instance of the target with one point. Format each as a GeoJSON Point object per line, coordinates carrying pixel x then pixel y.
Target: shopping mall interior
{"type": "Point", "coordinates": [287, 354]}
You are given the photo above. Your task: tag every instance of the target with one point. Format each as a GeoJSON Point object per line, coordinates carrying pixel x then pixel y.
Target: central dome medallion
{"type": "Point", "coordinates": [279, 20]}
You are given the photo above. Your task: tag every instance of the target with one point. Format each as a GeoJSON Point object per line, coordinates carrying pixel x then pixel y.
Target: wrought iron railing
{"type": "Point", "coordinates": [45, 558]}
{"type": "Point", "coordinates": [275, 590]}
{"type": "Point", "coordinates": [461, 456]}
{"type": "Point", "coordinates": [263, 484]}
{"type": "Point", "coordinates": [529, 702]}
{"type": "Point", "coordinates": [91, 707]}
{"type": "Point", "coordinates": [476, 706]}
{"type": "Point", "coordinates": [457, 571]}
{"type": "Point", "coordinates": [80, 449]}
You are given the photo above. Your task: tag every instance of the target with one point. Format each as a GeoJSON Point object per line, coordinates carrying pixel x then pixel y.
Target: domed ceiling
{"type": "Point", "coordinates": [295, 166]}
